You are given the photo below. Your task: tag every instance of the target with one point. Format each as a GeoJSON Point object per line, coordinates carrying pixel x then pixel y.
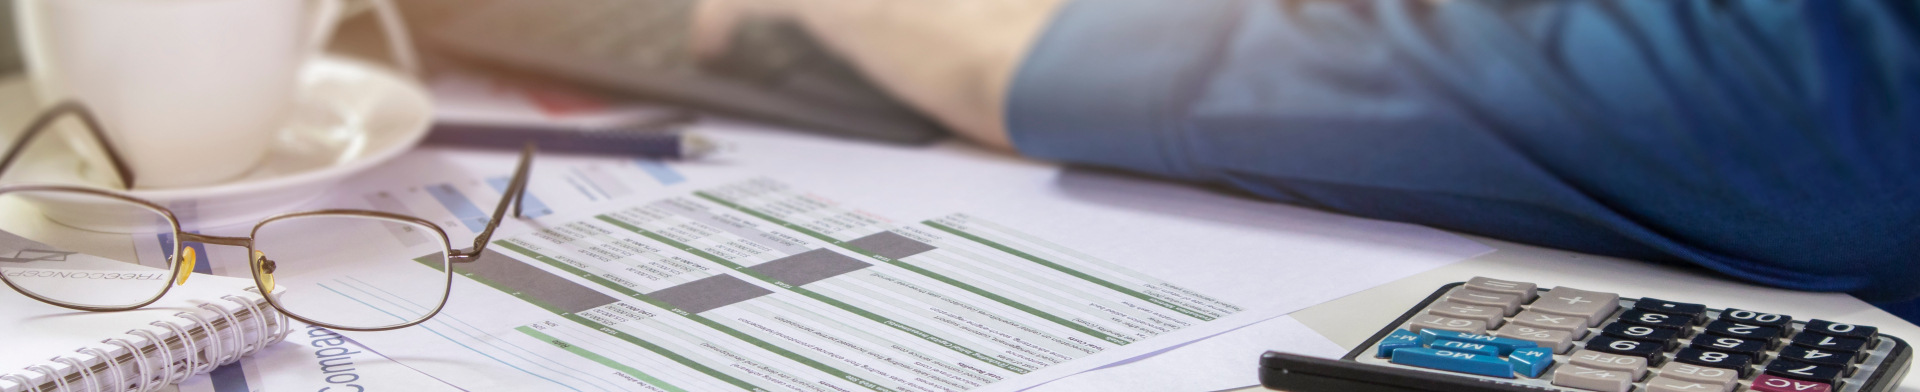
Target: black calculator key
{"type": "Point", "coordinates": [1714, 359]}
{"type": "Point", "coordinates": [1743, 331]}
{"type": "Point", "coordinates": [1749, 317]}
{"type": "Point", "coordinates": [1806, 371]}
{"type": "Point", "coordinates": [1608, 344]}
{"type": "Point", "coordinates": [1656, 320]}
{"type": "Point", "coordinates": [1750, 347]}
{"type": "Point", "coordinates": [1664, 336]}
{"type": "Point", "coordinates": [1697, 311]}
{"type": "Point", "coordinates": [1824, 342]}
{"type": "Point", "coordinates": [1830, 328]}
{"type": "Point", "coordinates": [1818, 356]}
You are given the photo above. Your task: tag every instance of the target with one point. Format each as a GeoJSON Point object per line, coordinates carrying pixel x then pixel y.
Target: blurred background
{"type": "Point", "coordinates": [9, 46]}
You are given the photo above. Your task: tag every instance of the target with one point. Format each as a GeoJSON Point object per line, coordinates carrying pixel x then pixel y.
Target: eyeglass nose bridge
{"type": "Point", "coordinates": [190, 257]}
{"type": "Point", "coordinates": [216, 240]}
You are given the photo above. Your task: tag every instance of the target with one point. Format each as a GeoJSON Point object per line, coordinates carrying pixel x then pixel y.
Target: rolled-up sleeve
{"type": "Point", "coordinates": [1775, 141]}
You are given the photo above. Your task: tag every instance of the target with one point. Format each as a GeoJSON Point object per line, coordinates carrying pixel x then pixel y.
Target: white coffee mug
{"type": "Point", "coordinates": [191, 92]}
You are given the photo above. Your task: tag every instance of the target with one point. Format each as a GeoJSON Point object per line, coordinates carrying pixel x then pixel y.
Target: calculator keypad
{"type": "Point", "coordinates": [1586, 340]}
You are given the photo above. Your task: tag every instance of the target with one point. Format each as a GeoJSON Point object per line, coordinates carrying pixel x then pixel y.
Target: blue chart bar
{"type": "Point", "coordinates": [405, 233]}
{"type": "Point", "coordinates": [530, 206]}
{"type": "Point", "coordinates": [459, 205]}
{"type": "Point", "coordinates": [660, 172]}
{"type": "Point", "coordinates": [229, 378]}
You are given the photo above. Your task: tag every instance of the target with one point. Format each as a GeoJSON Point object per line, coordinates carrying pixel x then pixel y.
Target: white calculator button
{"type": "Point", "coordinates": [1636, 366]}
{"type": "Point", "coordinates": [1700, 374]}
{"type": "Point", "coordinates": [1592, 305]}
{"type": "Point", "coordinates": [1447, 324]}
{"type": "Point", "coordinates": [1575, 325]}
{"type": "Point", "coordinates": [1485, 314]}
{"type": "Point", "coordinates": [1592, 379]}
{"type": "Point", "coordinates": [1664, 384]}
{"type": "Point", "coordinates": [1508, 303]}
{"type": "Point", "coordinates": [1523, 289]}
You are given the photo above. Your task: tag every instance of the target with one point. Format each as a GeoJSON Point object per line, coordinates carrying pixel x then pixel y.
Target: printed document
{"type": "Point", "coordinates": [803, 264]}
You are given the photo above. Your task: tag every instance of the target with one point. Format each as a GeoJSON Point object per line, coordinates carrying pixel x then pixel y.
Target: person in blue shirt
{"type": "Point", "coordinates": [1777, 141]}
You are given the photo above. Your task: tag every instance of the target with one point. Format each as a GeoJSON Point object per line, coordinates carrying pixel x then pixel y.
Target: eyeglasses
{"type": "Point", "coordinates": [331, 261]}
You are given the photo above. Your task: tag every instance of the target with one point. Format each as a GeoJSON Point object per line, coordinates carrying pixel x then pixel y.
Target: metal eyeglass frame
{"type": "Point", "coordinates": [261, 266]}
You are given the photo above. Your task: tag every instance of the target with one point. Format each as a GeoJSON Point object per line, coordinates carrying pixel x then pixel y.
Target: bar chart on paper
{"type": "Point", "coordinates": [756, 286]}
{"type": "Point", "coordinates": [468, 204]}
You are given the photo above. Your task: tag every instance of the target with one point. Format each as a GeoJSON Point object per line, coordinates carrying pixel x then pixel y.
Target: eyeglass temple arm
{"type": "Point", "coordinates": [45, 120]}
{"type": "Point", "coordinates": [516, 189]}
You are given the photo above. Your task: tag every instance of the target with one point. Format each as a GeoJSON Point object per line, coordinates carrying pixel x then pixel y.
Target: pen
{"type": "Point", "coordinates": [650, 140]}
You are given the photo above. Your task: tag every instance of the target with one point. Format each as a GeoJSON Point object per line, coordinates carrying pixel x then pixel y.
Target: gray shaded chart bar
{"type": "Point", "coordinates": [890, 245]}
{"type": "Point", "coordinates": [533, 282]}
{"type": "Point", "coordinates": [810, 266]}
{"type": "Point", "coordinates": [709, 293]}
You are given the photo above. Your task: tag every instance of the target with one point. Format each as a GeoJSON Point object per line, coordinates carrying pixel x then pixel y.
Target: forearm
{"type": "Point", "coordinates": [1767, 140]}
{"type": "Point", "coordinates": [951, 59]}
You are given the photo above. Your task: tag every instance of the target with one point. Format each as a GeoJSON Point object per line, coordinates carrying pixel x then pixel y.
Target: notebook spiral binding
{"type": "Point", "coordinates": [186, 345]}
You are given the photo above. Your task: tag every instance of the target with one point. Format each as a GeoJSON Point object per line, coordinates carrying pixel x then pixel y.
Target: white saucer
{"type": "Point", "coordinates": [353, 115]}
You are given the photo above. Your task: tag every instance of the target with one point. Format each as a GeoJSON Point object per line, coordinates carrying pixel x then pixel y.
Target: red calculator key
{"type": "Point", "coordinates": [1768, 383]}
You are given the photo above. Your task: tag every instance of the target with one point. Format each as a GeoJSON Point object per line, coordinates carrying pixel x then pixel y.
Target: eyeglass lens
{"type": "Point", "coordinates": [86, 250]}
{"type": "Point", "coordinates": [342, 269]}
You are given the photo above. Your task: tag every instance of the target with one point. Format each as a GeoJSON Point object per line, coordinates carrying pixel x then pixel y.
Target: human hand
{"type": "Point", "coordinates": [952, 60]}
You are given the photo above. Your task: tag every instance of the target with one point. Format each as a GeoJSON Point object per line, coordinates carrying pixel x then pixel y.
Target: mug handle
{"type": "Point", "coordinates": [327, 15]}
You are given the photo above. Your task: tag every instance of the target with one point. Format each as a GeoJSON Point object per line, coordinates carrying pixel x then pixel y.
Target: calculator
{"type": "Point", "coordinates": [1500, 335]}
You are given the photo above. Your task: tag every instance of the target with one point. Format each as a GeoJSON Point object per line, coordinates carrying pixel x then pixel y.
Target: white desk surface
{"type": "Point", "coordinates": [1352, 319]}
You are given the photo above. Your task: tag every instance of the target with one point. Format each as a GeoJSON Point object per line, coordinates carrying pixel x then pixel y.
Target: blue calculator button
{"type": "Point", "coordinates": [1505, 345]}
{"type": "Point", "coordinates": [1531, 362]}
{"type": "Point", "coordinates": [1455, 361]}
{"type": "Point", "coordinates": [1399, 339]}
{"type": "Point", "coordinates": [1476, 348]}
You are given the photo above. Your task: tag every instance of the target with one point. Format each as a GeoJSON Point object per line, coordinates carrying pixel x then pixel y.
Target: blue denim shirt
{"type": "Point", "coordinates": [1774, 141]}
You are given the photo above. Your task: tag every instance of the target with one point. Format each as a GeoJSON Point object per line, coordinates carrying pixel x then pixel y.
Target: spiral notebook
{"type": "Point", "coordinates": [208, 322]}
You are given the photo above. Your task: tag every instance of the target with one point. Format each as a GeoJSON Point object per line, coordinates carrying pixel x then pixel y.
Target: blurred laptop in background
{"type": "Point", "coordinates": [773, 71]}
